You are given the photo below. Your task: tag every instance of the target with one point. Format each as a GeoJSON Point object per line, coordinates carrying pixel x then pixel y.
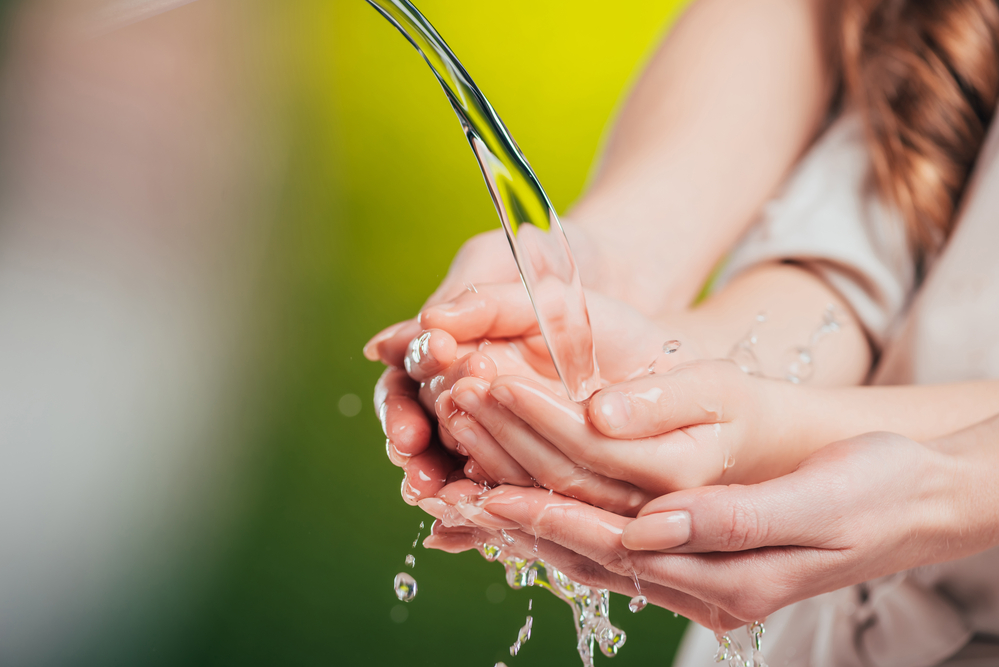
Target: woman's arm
{"type": "Point", "coordinates": [723, 110]}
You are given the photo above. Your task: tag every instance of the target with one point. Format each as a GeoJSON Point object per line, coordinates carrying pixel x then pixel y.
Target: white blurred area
{"type": "Point", "coordinates": [136, 177]}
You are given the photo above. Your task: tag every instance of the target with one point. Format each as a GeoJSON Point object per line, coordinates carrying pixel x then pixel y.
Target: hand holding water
{"type": "Point", "coordinates": [855, 510]}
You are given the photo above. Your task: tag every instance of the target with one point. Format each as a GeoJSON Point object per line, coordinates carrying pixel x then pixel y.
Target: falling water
{"type": "Point", "coordinates": [536, 237]}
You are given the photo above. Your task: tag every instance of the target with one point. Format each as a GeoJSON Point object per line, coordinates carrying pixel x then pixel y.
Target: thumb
{"type": "Point", "coordinates": [499, 310]}
{"type": "Point", "coordinates": [792, 510]}
{"type": "Point", "coordinates": [701, 392]}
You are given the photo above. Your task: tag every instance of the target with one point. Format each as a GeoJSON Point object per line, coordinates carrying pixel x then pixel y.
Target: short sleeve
{"type": "Point", "coordinates": [829, 220]}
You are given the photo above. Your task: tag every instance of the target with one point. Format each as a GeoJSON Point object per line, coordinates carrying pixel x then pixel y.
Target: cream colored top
{"type": "Point", "coordinates": [946, 614]}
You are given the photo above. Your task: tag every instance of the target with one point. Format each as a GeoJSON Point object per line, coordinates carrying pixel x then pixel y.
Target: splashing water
{"type": "Point", "coordinates": [732, 653]}
{"type": "Point", "coordinates": [536, 237]}
{"type": "Point", "coordinates": [405, 586]}
{"type": "Point", "coordinates": [743, 353]}
{"type": "Point", "coordinates": [590, 606]}
{"type": "Point", "coordinates": [522, 636]}
{"type": "Point", "coordinates": [799, 360]}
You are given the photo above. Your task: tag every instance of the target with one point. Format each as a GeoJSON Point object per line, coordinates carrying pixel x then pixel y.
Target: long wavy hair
{"type": "Point", "coordinates": [924, 75]}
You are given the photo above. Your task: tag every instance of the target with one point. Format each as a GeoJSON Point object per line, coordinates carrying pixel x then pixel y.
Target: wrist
{"type": "Point", "coordinates": [964, 466]}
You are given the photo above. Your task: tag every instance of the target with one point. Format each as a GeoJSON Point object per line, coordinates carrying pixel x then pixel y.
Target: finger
{"type": "Point", "coordinates": [389, 345]}
{"type": "Point", "coordinates": [404, 423]}
{"type": "Point", "coordinates": [799, 509]}
{"type": "Point", "coordinates": [720, 583]}
{"type": "Point", "coordinates": [690, 394]}
{"type": "Point", "coordinates": [429, 354]}
{"type": "Point", "coordinates": [493, 311]}
{"type": "Point", "coordinates": [545, 463]}
{"type": "Point", "coordinates": [426, 474]}
{"type": "Point", "coordinates": [676, 460]}
{"type": "Point", "coordinates": [488, 461]}
{"type": "Point", "coordinates": [473, 364]}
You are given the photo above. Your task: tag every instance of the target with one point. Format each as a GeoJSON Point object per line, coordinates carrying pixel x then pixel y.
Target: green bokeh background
{"type": "Point", "coordinates": [380, 190]}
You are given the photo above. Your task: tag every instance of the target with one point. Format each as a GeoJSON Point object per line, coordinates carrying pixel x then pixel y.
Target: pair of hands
{"type": "Point", "coordinates": [501, 407]}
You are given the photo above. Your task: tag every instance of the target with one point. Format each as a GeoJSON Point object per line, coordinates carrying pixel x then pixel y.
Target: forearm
{"type": "Point", "coordinates": [920, 412]}
{"type": "Point", "coordinates": [725, 107]}
{"type": "Point", "coordinates": [793, 304]}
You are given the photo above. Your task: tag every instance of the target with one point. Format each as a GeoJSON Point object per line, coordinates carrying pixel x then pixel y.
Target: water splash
{"type": "Point", "coordinates": [536, 237]}
{"type": "Point", "coordinates": [799, 360]}
{"type": "Point", "coordinates": [590, 606]}
{"type": "Point", "coordinates": [731, 652]}
{"type": "Point", "coordinates": [522, 636]}
{"type": "Point", "coordinates": [743, 353]}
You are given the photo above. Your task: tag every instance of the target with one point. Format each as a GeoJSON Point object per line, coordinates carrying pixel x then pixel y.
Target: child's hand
{"type": "Point", "coordinates": [713, 424]}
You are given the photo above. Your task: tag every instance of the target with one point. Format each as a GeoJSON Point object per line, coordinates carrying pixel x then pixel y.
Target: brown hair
{"type": "Point", "coordinates": [924, 75]}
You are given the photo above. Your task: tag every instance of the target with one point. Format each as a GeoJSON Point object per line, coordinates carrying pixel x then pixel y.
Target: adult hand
{"type": "Point", "coordinates": [854, 511]}
{"type": "Point", "coordinates": [462, 526]}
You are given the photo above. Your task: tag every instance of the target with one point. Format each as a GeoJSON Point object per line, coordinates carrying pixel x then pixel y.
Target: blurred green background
{"type": "Point", "coordinates": [379, 191]}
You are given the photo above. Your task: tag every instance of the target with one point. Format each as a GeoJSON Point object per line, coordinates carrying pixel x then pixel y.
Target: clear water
{"type": "Point", "coordinates": [732, 654]}
{"type": "Point", "coordinates": [405, 586]}
{"type": "Point", "coordinates": [590, 606]}
{"type": "Point", "coordinates": [536, 237]}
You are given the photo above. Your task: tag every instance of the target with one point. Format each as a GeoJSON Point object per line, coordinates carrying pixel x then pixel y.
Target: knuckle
{"type": "Point", "coordinates": [744, 527]}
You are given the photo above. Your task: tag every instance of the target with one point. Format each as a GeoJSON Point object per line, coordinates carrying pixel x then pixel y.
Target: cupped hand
{"type": "Point", "coordinates": [855, 510]}
{"type": "Point", "coordinates": [627, 345]}
{"type": "Point", "coordinates": [462, 525]}
{"type": "Point", "coordinates": [714, 425]}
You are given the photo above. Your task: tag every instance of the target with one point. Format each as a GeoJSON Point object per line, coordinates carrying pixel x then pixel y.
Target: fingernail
{"type": "Point", "coordinates": [503, 395]}
{"type": "Point", "coordinates": [435, 507]}
{"type": "Point", "coordinates": [615, 408]}
{"type": "Point", "coordinates": [481, 517]}
{"type": "Point", "coordinates": [657, 532]}
{"type": "Point", "coordinates": [371, 347]}
{"type": "Point", "coordinates": [395, 456]}
{"type": "Point", "coordinates": [409, 492]}
{"type": "Point", "coordinates": [466, 399]}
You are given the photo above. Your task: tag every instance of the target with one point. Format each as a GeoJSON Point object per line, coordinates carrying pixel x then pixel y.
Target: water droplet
{"type": "Point", "coordinates": [471, 288]}
{"type": "Point", "coordinates": [729, 461]}
{"type": "Point", "coordinates": [410, 560]}
{"type": "Point", "coordinates": [405, 586]}
{"type": "Point", "coordinates": [500, 664]}
{"type": "Point", "coordinates": [421, 525]}
{"type": "Point", "coordinates": [676, 615]}
{"type": "Point", "coordinates": [522, 636]}
{"type": "Point", "coordinates": [671, 346]}
{"type": "Point", "coordinates": [506, 537]}
{"type": "Point", "coordinates": [490, 552]}
{"type": "Point", "coordinates": [530, 604]}
{"type": "Point", "coordinates": [637, 604]}
{"type": "Point", "coordinates": [532, 576]}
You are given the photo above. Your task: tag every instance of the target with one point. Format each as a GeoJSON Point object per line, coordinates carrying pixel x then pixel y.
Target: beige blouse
{"type": "Point", "coordinates": [945, 614]}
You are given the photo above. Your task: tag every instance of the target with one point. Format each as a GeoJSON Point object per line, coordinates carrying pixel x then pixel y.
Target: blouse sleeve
{"type": "Point", "coordinates": [829, 220]}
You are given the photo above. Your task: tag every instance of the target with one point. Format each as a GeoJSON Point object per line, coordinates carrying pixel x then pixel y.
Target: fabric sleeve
{"type": "Point", "coordinates": [829, 220]}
